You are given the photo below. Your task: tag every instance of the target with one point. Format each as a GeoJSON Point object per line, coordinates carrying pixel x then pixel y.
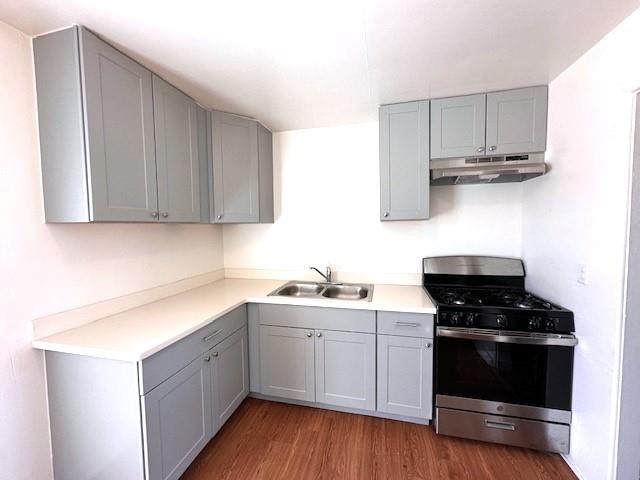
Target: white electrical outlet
{"type": "Point", "coordinates": [583, 274]}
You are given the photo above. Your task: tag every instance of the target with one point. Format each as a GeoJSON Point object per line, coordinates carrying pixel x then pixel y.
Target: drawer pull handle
{"type": "Point", "coordinates": [407, 324]}
{"type": "Point", "coordinates": [500, 425]}
{"type": "Point", "coordinates": [210, 336]}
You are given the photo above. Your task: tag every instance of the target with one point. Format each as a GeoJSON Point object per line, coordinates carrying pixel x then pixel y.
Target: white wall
{"type": "Point", "coordinates": [577, 214]}
{"type": "Point", "coordinates": [49, 268]}
{"type": "Point", "coordinates": [327, 198]}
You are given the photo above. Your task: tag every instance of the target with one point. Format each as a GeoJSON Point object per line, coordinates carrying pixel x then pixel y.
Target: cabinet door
{"type": "Point", "coordinates": [517, 121]}
{"type": "Point", "coordinates": [458, 126]}
{"type": "Point", "coordinates": [346, 369]}
{"type": "Point", "coordinates": [119, 129]}
{"type": "Point", "coordinates": [405, 373]}
{"type": "Point", "coordinates": [177, 421]}
{"type": "Point", "coordinates": [235, 169]}
{"type": "Point", "coordinates": [176, 127]}
{"type": "Point", "coordinates": [404, 161]}
{"type": "Point", "coordinates": [286, 363]}
{"type": "Point", "coordinates": [229, 376]}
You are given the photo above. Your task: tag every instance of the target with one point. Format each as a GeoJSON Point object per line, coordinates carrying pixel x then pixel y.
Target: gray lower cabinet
{"type": "Point", "coordinates": [242, 170]}
{"type": "Point", "coordinates": [404, 161]}
{"type": "Point", "coordinates": [146, 420]}
{"type": "Point", "coordinates": [517, 121]}
{"type": "Point", "coordinates": [177, 159]}
{"type": "Point", "coordinates": [458, 126]}
{"type": "Point", "coordinates": [345, 369]}
{"type": "Point", "coordinates": [287, 362]}
{"type": "Point", "coordinates": [229, 376]}
{"type": "Point", "coordinates": [177, 421]}
{"type": "Point", "coordinates": [405, 376]}
{"type": "Point", "coordinates": [322, 355]}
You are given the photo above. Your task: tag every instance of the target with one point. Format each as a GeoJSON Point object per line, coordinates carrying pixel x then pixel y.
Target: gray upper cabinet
{"type": "Point", "coordinates": [497, 123]}
{"type": "Point", "coordinates": [176, 134]}
{"type": "Point", "coordinates": [517, 121]}
{"type": "Point", "coordinates": [242, 169]}
{"type": "Point", "coordinates": [458, 126]}
{"type": "Point", "coordinates": [95, 113]}
{"type": "Point", "coordinates": [265, 173]}
{"type": "Point", "coordinates": [119, 128]}
{"type": "Point", "coordinates": [404, 161]}
{"type": "Point", "coordinates": [119, 144]}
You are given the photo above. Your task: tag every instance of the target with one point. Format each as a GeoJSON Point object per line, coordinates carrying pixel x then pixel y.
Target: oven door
{"type": "Point", "coordinates": [511, 373]}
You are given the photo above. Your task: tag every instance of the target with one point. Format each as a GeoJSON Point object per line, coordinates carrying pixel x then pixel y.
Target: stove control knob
{"type": "Point", "coordinates": [470, 320]}
{"type": "Point", "coordinates": [534, 323]}
{"type": "Point", "coordinates": [501, 320]}
{"type": "Point", "coordinates": [454, 319]}
{"type": "Point", "coordinates": [550, 325]}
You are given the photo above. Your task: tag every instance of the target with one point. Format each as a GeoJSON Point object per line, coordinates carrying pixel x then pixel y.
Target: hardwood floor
{"type": "Point", "coordinates": [269, 440]}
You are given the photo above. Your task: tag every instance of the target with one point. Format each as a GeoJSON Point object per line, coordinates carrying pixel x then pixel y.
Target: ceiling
{"type": "Point", "coordinates": [298, 64]}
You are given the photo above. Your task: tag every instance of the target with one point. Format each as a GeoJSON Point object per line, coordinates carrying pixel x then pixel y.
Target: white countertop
{"type": "Point", "coordinates": [140, 332]}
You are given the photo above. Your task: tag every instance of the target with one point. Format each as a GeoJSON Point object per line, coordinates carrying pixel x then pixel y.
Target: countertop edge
{"type": "Point", "coordinates": [44, 344]}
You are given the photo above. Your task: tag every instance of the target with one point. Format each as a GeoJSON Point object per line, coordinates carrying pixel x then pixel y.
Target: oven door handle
{"type": "Point", "coordinates": [501, 336]}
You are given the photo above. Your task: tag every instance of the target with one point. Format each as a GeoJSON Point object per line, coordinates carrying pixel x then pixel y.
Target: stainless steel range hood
{"type": "Point", "coordinates": [497, 169]}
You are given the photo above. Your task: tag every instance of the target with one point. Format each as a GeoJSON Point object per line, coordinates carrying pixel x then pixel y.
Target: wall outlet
{"type": "Point", "coordinates": [583, 274]}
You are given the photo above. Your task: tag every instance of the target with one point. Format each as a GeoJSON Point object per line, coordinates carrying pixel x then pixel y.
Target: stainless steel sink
{"type": "Point", "coordinates": [335, 291]}
{"type": "Point", "coordinates": [346, 292]}
{"type": "Point", "coordinates": [299, 289]}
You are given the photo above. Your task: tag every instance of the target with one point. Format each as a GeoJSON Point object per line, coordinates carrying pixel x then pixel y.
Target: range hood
{"type": "Point", "coordinates": [496, 169]}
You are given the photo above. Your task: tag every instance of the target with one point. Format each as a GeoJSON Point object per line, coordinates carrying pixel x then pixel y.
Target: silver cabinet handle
{"type": "Point", "coordinates": [385, 214]}
{"type": "Point", "coordinates": [219, 217]}
{"type": "Point", "coordinates": [480, 149]}
{"type": "Point", "coordinates": [492, 148]}
{"type": "Point", "coordinates": [210, 336]}
{"type": "Point", "coordinates": [165, 214]}
{"type": "Point", "coordinates": [309, 334]}
{"type": "Point", "coordinates": [407, 324]}
{"type": "Point", "coordinates": [319, 334]}
{"type": "Point", "coordinates": [207, 358]}
{"type": "Point", "coordinates": [428, 344]}
{"type": "Point", "coordinates": [154, 214]}
{"type": "Point", "coordinates": [215, 354]}
{"type": "Point", "coordinates": [500, 425]}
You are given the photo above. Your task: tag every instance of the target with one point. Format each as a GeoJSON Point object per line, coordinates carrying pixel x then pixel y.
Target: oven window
{"type": "Point", "coordinates": [534, 375]}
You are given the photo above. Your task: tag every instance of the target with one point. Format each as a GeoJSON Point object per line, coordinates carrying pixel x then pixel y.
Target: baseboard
{"type": "Point", "coordinates": [567, 459]}
{"type": "Point", "coordinates": [307, 274]}
{"type": "Point", "coordinates": [59, 322]}
{"type": "Point", "coordinates": [356, 411]}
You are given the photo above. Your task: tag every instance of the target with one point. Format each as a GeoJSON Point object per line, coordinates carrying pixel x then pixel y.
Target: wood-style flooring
{"type": "Point", "coordinates": [269, 440]}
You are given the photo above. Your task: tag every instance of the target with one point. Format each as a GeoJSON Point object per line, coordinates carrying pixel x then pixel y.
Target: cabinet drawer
{"type": "Point", "coordinates": [552, 437]}
{"type": "Point", "coordinates": [406, 324]}
{"type": "Point", "coordinates": [155, 369]}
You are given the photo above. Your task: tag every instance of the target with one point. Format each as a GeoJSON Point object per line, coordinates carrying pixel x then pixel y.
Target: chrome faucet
{"type": "Point", "coordinates": [326, 276]}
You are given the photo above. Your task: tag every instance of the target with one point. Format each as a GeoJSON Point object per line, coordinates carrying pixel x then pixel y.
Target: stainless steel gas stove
{"type": "Point", "coordinates": [504, 357]}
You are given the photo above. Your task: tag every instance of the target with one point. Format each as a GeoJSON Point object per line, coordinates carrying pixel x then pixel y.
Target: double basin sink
{"type": "Point", "coordinates": [338, 291]}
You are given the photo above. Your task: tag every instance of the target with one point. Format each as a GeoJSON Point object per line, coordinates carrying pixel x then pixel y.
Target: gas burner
{"type": "Point", "coordinates": [457, 300]}
{"type": "Point", "coordinates": [526, 304]}
{"type": "Point", "coordinates": [510, 297]}
{"type": "Point", "coordinates": [474, 299]}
